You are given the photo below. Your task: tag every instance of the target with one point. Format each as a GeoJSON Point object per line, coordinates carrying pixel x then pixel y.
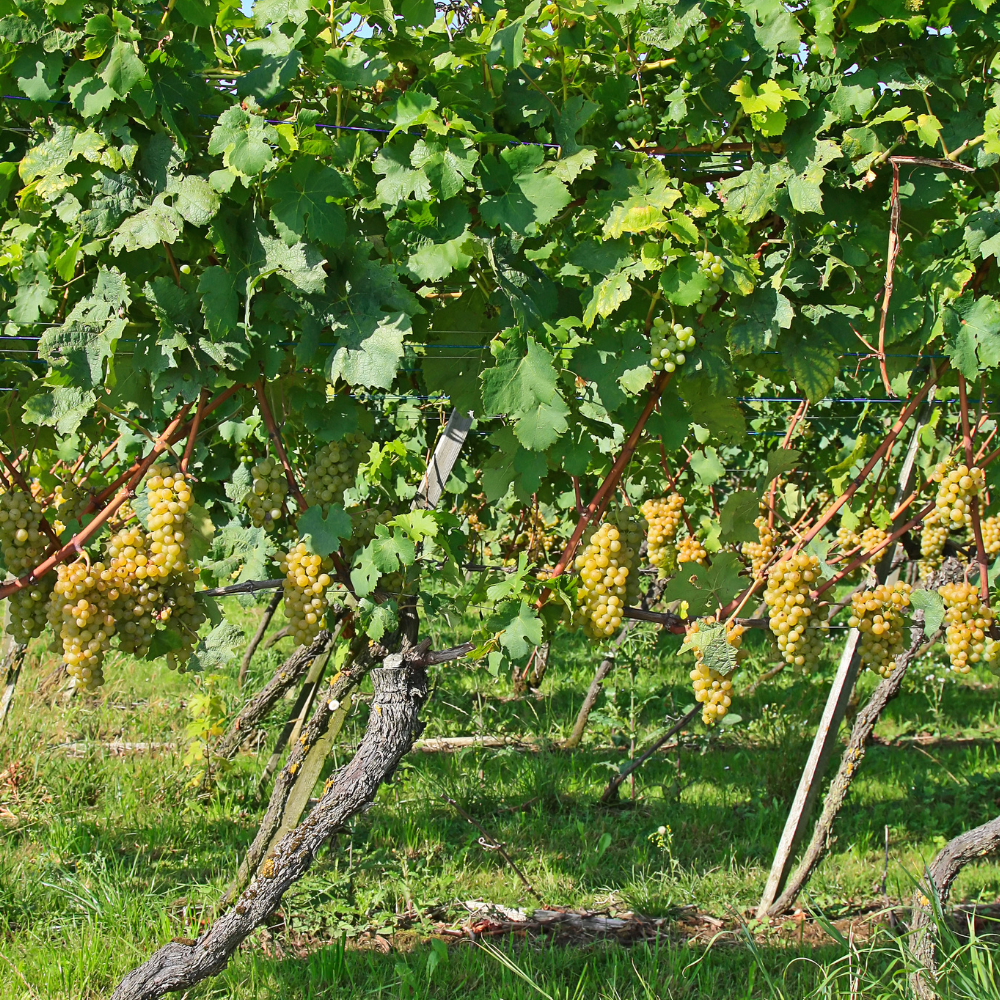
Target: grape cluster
{"type": "Point", "coordinates": [169, 501]}
{"type": "Point", "coordinates": [991, 535]}
{"type": "Point", "coordinates": [872, 537]}
{"type": "Point", "coordinates": [668, 342]}
{"type": "Point", "coordinates": [266, 500]}
{"type": "Point", "coordinates": [969, 620]}
{"type": "Point", "coordinates": [23, 543]}
{"type": "Point", "coordinates": [762, 552]}
{"type": "Point", "coordinates": [20, 537]}
{"type": "Point", "coordinates": [663, 518]}
{"type": "Point", "coordinates": [848, 539]}
{"type": "Point", "coordinates": [633, 120]}
{"type": "Point", "coordinates": [690, 549]}
{"type": "Point", "coordinates": [712, 689]}
{"type": "Point", "coordinates": [710, 265]}
{"type": "Point", "coordinates": [879, 616]}
{"type": "Point", "coordinates": [185, 615]}
{"type": "Point", "coordinates": [306, 582]}
{"type": "Point", "coordinates": [69, 501]}
{"type": "Point", "coordinates": [86, 622]}
{"type": "Point", "coordinates": [791, 610]}
{"type": "Point", "coordinates": [608, 579]}
{"type": "Point", "coordinates": [957, 485]}
{"type": "Point", "coordinates": [333, 470]}
{"type": "Point", "coordinates": [134, 589]}
{"type": "Point", "coordinates": [933, 536]}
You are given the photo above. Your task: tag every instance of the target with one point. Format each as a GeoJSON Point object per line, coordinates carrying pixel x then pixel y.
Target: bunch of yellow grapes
{"type": "Point", "coordinates": [691, 549]}
{"type": "Point", "coordinates": [663, 518]}
{"type": "Point", "coordinates": [306, 583]}
{"type": "Point", "coordinates": [991, 535]}
{"type": "Point", "coordinates": [185, 614]}
{"type": "Point", "coordinates": [957, 485]}
{"type": "Point", "coordinates": [969, 620]}
{"type": "Point", "coordinates": [848, 539]}
{"type": "Point", "coordinates": [933, 536]}
{"type": "Point", "coordinates": [879, 616]}
{"type": "Point", "coordinates": [135, 591]}
{"type": "Point", "coordinates": [712, 689]}
{"type": "Point", "coordinates": [266, 500]}
{"type": "Point", "coordinates": [169, 501]}
{"type": "Point", "coordinates": [872, 537]}
{"type": "Point", "coordinates": [609, 581]}
{"type": "Point", "coordinates": [791, 610]}
{"type": "Point", "coordinates": [333, 470]}
{"type": "Point", "coordinates": [82, 609]}
{"type": "Point", "coordinates": [762, 552]}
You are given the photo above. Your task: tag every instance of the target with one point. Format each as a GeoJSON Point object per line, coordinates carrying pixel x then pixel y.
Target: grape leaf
{"type": "Point", "coordinates": [781, 460]}
{"type": "Point", "coordinates": [323, 533]}
{"type": "Point", "coordinates": [519, 627]}
{"type": "Point", "coordinates": [929, 601]}
{"type": "Point", "coordinates": [218, 648]}
{"type": "Point", "coordinates": [522, 195]}
{"type": "Point", "coordinates": [220, 300]}
{"type": "Point", "coordinates": [122, 69]}
{"type": "Point", "coordinates": [813, 366]}
{"type": "Point", "coordinates": [239, 485]}
{"type": "Point", "coordinates": [155, 225]}
{"type": "Point", "coordinates": [244, 140]}
{"type": "Point", "coordinates": [707, 587]}
{"type": "Point", "coordinates": [710, 641]}
{"type": "Point", "coordinates": [368, 353]}
{"type": "Point", "coordinates": [737, 517]}
{"type": "Point", "coordinates": [303, 203]}
{"type": "Point", "coordinates": [526, 387]}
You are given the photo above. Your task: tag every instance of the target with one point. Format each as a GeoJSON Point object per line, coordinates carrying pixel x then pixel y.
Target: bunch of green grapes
{"type": "Point", "coordinates": [169, 501]}
{"type": "Point", "coordinates": [969, 621]}
{"type": "Point", "coordinates": [663, 518]}
{"type": "Point", "coordinates": [333, 470]}
{"type": "Point", "coordinates": [185, 615]}
{"type": "Point", "coordinates": [933, 536]}
{"type": "Point", "coordinates": [23, 544]}
{"type": "Point", "coordinates": [633, 120]}
{"type": "Point", "coordinates": [266, 500]}
{"type": "Point", "coordinates": [791, 610]}
{"type": "Point", "coordinates": [762, 552]}
{"type": "Point", "coordinates": [609, 579]}
{"type": "Point", "coordinates": [83, 609]}
{"type": "Point", "coordinates": [991, 535]}
{"type": "Point", "coordinates": [712, 689]}
{"type": "Point", "coordinates": [20, 537]}
{"type": "Point", "coordinates": [879, 616]}
{"type": "Point", "coordinates": [957, 485]}
{"type": "Point", "coordinates": [710, 265]}
{"type": "Point", "coordinates": [306, 582]}
{"type": "Point", "coordinates": [668, 343]}
{"type": "Point", "coordinates": [691, 549]}
{"type": "Point", "coordinates": [135, 592]}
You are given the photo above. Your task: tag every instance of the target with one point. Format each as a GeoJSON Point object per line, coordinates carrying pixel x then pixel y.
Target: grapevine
{"type": "Point", "coordinates": [608, 579]}
{"type": "Point", "coordinates": [792, 614]}
{"type": "Point", "coordinates": [879, 615]}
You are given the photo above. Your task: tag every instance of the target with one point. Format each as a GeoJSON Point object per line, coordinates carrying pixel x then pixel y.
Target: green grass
{"type": "Point", "coordinates": [108, 857]}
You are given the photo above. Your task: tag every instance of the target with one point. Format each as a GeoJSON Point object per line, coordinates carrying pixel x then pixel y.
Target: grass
{"type": "Point", "coordinates": [103, 858]}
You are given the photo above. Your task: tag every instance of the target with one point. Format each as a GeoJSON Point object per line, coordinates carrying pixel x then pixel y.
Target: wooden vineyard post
{"type": "Point", "coordinates": [833, 713]}
{"type": "Point", "coordinates": [445, 456]}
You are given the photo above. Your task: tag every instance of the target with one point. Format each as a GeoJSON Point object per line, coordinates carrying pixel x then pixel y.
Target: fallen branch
{"type": "Point", "coordinates": [11, 671]}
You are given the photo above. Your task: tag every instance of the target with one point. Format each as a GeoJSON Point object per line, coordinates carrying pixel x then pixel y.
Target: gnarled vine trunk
{"type": "Point", "coordinates": [400, 689]}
